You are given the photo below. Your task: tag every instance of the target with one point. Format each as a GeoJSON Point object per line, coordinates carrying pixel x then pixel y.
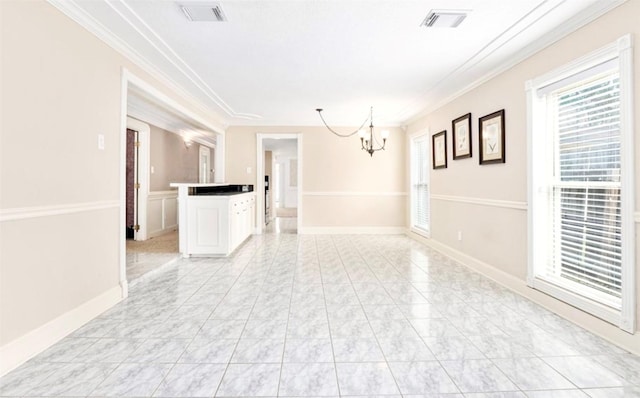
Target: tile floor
{"type": "Point", "coordinates": [283, 225]}
{"type": "Point", "coordinates": [146, 256]}
{"type": "Point", "coordinates": [302, 316]}
{"type": "Point", "coordinates": [140, 264]}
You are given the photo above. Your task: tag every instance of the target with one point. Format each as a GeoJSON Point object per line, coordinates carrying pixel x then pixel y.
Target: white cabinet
{"type": "Point", "coordinates": [217, 225]}
{"type": "Point", "coordinates": [241, 216]}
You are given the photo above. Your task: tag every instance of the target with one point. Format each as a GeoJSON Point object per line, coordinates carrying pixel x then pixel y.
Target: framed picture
{"type": "Point", "coordinates": [491, 138]}
{"type": "Point", "coordinates": [461, 135]}
{"type": "Point", "coordinates": [439, 150]}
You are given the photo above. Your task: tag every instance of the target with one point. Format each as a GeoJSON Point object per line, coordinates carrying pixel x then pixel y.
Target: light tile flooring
{"type": "Point", "coordinates": [146, 256]}
{"type": "Point", "coordinates": [283, 225]}
{"type": "Point", "coordinates": [327, 316]}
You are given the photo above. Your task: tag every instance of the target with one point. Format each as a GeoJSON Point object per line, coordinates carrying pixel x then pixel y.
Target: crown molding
{"type": "Point", "coordinates": [164, 49]}
{"type": "Point", "coordinates": [578, 21]}
{"type": "Point", "coordinates": [72, 10]}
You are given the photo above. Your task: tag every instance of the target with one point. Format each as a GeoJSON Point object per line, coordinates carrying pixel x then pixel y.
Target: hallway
{"type": "Point", "coordinates": [301, 315]}
{"type": "Point", "coordinates": [151, 254]}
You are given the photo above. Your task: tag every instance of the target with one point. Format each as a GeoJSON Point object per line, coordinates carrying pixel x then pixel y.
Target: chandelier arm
{"type": "Point", "coordinates": [335, 132]}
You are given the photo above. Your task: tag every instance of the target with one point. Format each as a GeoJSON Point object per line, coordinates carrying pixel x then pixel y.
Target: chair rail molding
{"type": "Point", "coordinates": [352, 193]}
{"type": "Point", "coordinates": [507, 204]}
{"type": "Point", "coordinates": [21, 213]}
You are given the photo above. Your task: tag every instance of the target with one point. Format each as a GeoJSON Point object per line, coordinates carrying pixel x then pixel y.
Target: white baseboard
{"type": "Point", "coordinates": [31, 344]}
{"type": "Point", "coordinates": [609, 332]}
{"type": "Point", "coordinates": [161, 232]}
{"type": "Point", "coordinates": [171, 264]}
{"type": "Point", "coordinates": [352, 230]}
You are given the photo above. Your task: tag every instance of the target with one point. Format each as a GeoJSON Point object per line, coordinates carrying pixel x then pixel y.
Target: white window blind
{"type": "Point", "coordinates": [581, 184]}
{"type": "Point", "coordinates": [585, 241]}
{"type": "Point", "coordinates": [420, 183]}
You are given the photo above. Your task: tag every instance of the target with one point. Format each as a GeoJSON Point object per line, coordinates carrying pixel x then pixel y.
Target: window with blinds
{"type": "Point", "coordinates": [581, 194]}
{"type": "Point", "coordinates": [585, 247]}
{"type": "Point", "coordinates": [420, 183]}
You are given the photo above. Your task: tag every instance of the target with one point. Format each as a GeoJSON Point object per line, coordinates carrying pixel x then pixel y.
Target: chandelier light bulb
{"type": "Point", "coordinates": [384, 134]}
{"type": "Point", "coordinates": [361, 133]}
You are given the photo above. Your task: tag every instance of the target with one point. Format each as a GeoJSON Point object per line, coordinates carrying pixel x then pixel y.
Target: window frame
{"type": "Point", "coordinates": [538, 170]}
{"type": "Point", "coordinates": [413, 139]}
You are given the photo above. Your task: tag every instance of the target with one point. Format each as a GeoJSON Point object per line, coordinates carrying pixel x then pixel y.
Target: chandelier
{"type": "Point", "coordinates": [366, 139]}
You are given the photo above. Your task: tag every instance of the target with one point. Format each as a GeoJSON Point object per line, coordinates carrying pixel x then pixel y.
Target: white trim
{"type": "Point", "coordinates": [218, 159]}
{"type": "Point", "coordinates": [154, 273]}
{"type": "Point", "coordinates": [587, 61]}
{"type": "Point", "coordinates": [563, 30]}
{"type": "Point", "coordinates": [23, 348]}
{"type": "Point", "coordinates": [129, 79]}
{"type": "Point", "coordinates": [352, 230]}
{"type": "Point", "coordinates": [606, 313]}
{"type": "Point", "coordinates": [84, 19]}
{"type": "Point", "coordinates": [163, 194]}
{"type": "Point", "coordinates": [625, 56]}
{"type": "Point", "coordinates": [204, 175]}
{"type": "Point", "coordinates": [621, 49]}
{"type": "Point", "coordinates": [160, 232]}
{"type": "Point", "coordinates": [426, 135]}
{"type": "Point", "coordinates": [352, 193]}
{"type": "Point", "coordinates": [22, 213]}
{"type": "Point", "coordinates": [167, 101]}
{"type": "Point", "coordinates": [259, 227]}
{"type": "Point", "coordinates": [629, 342]}
{"type": "Point", "coordinates": [122, 234]}
{"type": "Point", "coordinates": [420, 232]}
{"type": "Point", "coordinates": [162, 197]}
{"type": "Point", "coordinates": [162, 47]}
{"type": "Point", "coordinates": [506, 204]}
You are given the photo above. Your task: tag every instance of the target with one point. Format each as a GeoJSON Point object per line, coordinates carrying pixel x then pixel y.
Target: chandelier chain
{"type": "Point", "coordinates": [338, 134]}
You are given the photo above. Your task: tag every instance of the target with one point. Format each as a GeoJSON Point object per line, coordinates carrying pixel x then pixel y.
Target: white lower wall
{"type": "Point", "coordinates": [59, 268]}
{"type": "Point", "coordinates": [31, 344]}
{"type": "Point", "coordinates": [162, 212]}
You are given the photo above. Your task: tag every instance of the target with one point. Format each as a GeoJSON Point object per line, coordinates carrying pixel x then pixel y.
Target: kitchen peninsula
{"type": "Point", "coordinates": [214, 219]}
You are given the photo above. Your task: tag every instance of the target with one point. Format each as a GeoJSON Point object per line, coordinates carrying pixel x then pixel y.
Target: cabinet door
{"type": "Point", "coordinates": [234, 233]}
{"type": "Point", "coordinates": [207, 227]}
{"type": "Point", "coordinates": [252, 218]}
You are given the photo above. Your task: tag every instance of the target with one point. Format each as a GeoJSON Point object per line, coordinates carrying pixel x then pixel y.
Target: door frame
{"type": "Point", "coordinates": [142, 163]}
{"type": "Point", "coordinates": [127, 80]}
{"type": "Point", "coordinates": [260, 137]}
{"type": "Point", "coordinates": [203, 175]}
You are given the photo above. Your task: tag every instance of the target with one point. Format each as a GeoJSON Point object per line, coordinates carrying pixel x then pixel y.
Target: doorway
{"type": "Point", "coordinates": [204, 167]}
{"type": "Point", "coordinates": [143, 101]}
{"type": "Point", "coordinates": [279, 167]}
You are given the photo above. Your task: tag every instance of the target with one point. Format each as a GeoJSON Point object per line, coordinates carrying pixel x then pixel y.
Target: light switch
{"type": "Point", "coordinates": [101, 142]}
{"type": "Point", "coordinates": [153, 170]}
{"type": "Point", "coordinates": [248, 169]}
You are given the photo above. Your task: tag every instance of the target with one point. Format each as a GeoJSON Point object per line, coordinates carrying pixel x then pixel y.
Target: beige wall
{"type": "Point", "coordinates": [333, 165]}
{"type": "Point", "coordinates": [497, 235]}
{"type": "Point", "coordinates": [172, 160]}
{"type": "Point", "coordinates": [61, 87]}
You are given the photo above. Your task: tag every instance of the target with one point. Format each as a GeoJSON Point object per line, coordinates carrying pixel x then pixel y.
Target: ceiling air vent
{"type": "Point", "coordinates": [444, 19]}
{"type": "Point", "coordinates": [203, 12]}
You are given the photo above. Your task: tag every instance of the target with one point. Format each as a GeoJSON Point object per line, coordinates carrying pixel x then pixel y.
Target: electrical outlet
{"type": "Point", "coordinates": [248, 170]}
{"type": "Point", "coordinates": [101, 142]}
{"type": "Point", "coordinates": [460, 235]}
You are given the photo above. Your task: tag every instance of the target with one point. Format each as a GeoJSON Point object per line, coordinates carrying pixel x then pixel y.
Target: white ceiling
{"type": "Point", "coordinates": [281, 146]}
{"type": "Point", "coordinates": [274, 62]}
